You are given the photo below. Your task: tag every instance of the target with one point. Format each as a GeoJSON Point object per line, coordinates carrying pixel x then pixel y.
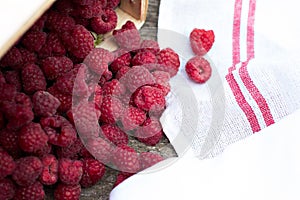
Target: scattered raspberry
{"type": "Point", "coordinates": [126, 159]}
{"type": "Point", "coordinates": [149, 45]}
{"type": "Point", "coordinates": [168, 61]}
{"type": "Point", "coordinates": [7, 164]}
{"type": "Point", "coordinates": [32, 137]}
{"type": "Point", "coordinates": [111, 109]}
{"type": "Point", "coordinates": [34, 40]}
{"type": "Point", "coordinates": [13, 78]}
{"type": "Point", "coordinates": [118, 63]}
{"type": "Point", "coordinates": [64, 99]}
{"type": "Point", "coordinates": [70, 171]}
{"type": "Point", "coordinates": [12, 58]}
{"type": "Point", "coordinates": [121, 72]}
{"type": "Point", "coordinates": [201, 41]}
{"type": "Point", "coordinates": [122, 176]}
{"type": "Point", "coordinates": [71, 151]}
{"type": "Point", "coordinates": [7, 189]}
{"type": "Point", "coordinates": [114, 134]}
{"type": "Point", "coordinates": [132, 117]}
{"type": "Point", "coordinates": [98, 60]}
{"type": "Point", "coordinates": [67, 192]}
{"type": "Point", "coordinates": [27, 171]}
{"type": "Point", "coordinates": [55, 67]}
{"type": "Point", "coordinates": [150, 133]}
{"type": "Point", "coordinates": [93, 171]}
{"type": "Point", "coordinates": [99, 148]}
{"type": "Point", "coordinates": [52, 47]}
{"type": "Point", "coordinates": [113, 88]}
{"type": "Point", "coordinates": [128, 36]}
{"type": "Point", "coordinates": [59, 23]}
{"type": "Point", "coordinates": [33, 79]}
{"type": "Point", "coordinates": [88, 11]}
{"type": "Point", "coordinates": [148, 159]}
{"type": "Point", "coordinates": [49, 175]}
{"type": "Point", "coordinates": [105, 22]}
{"type": "Point", "coordinates": [9, 142]}
{"type": "Point", "coordinates": [30, 192]}
{"type": "Point", "coordinates": [59, 130]}
{"type": "Point", "coordinates": [112, 3]}
{"type": "Point", "coordinates": [44, 104]}
{"type": "Point", "coordinates": [198, 69]}
{"type": "Point", "coordinates": [143, 58]}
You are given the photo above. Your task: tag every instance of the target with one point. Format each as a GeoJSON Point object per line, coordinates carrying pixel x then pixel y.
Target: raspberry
{"type": "Point", "coordinates": [88, 11]}
{"type": "Point", "coordinates": [49, 175]}
{"type": "Point", "coordinates": [27, 171]}
{"type": "Point", "coordinates": [112, 3]}
{"type": "Point", "coordinates": [34, 40]}
{"type": "Point", "coordinates": [114, 134]}
{"type": "Point", "coordinates": [32, 137]}
{"type": "Point", "coordinates": [132, 117]}
{"type": "Point", "coordinates": [30, 192]}
{"type": "Point", "coordinates": [143, 58]}
{"type": "Point", "coordinates": [105, 22]}
{"type": "Point", "coordinates": [70, 171]}
{"type": "Point", "coordinates": [148, 159]}
{"type": "Point", "coordinates": [114, 88]}
{"type": "Point", "coordinates": [28, 57]}
{"type": "Point", "coordinates": [54, 67]}
{"type": "Point", "coordinates": [59, 23]}
{"type": "Point", "coordinates": [79, 41]}
{"type": "Point", "coordinates": [7, 164]}
{"type": "Point", "coordinates": [128, 36]}
{"type": "Point", "coordinates": [71, 151]}
{"type": "Point", "coordinates": [14, 78]}
{"type": "Point", "coordinates": [67, 192]}
{"type": "Point", "coordinates": [169, 61]}
{"type": "Point", "coordinates": [9, 142]}
{"type": "Point", "coordinates": [122, 176]}
{"type": "Point", "coordinates": [118, 63]}
{"type": "Point", "coordinates": [7, 189]}
{"type": "Point", "coordinates": [44, 104]}
{"type": "Point", "coordinates": [64, 99]}
{"type": "Point", "coordinates": [198, 69]}
{"type": "Point", "coordinates": [98, 60]}
{"type": "Point", "coordinates": [52, 47]}
{"type": "Point", "coordinates": [150, 133]}
{"type": "Point", "coordinates": [136, 77]}
{"type": "Point", "coordinates": [111, 109]}
{"type": "Point", "coordinates": [149, 98]}
{"type": "Point", "coordinates": [7, 92]}
{"type": "Point", "coordinates": [149, 45]}
{"type": "Point", "coordinates": [122, 71]}
{"type": "Point", "coordinates": [12, 58]}
{"type": "Point", "coordinates": [99, 148]}
{"type": "Point", "coordinates": [93, 171]}
{"type": "Point", "coordinates": [126, 159]}
{"type": "Point", "coordinates": [33, 79]}
{"type": "Point", "coordinates": [201, 41]}
{"type": "Point", "coordinates": [59, 130]}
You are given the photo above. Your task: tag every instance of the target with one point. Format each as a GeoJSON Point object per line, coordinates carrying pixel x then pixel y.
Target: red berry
{"type": "Point", "coordinates": [28, 57]}
{"type": "Point", "coordinates": [111, 109]}
{"type": "Point", "coordinates": [57, 22]}
{"type": "Point", "coordinates": [52, 47]}
{"type": "Point", "coordinates": [148, 159]}
{"type": "Point", "coordinates": [12, 58]}
{"type": "Point", "coordinates": [114, 134]}
{"type": "Point", "coordinates": [168, 61]}
{"type": "Point", "coordinates": [33, 79]}
{"type": "Point", "coordinates": [113, 88]}
{"type": "Point", "coordinates": [64, 99]}
{"type": "Point", "coordinates": [128, 36]}
{"type": "Point", "coordinates": [34, 40]}
{"type": "Point", "coordinates": [198, 69]}
{"type": "Point", "coordinates": [54, 67]}
{"type": "Point", "coordinates": [32, 137]}
{"type": "Point", "coordinates": [126, 159]}
{"type": "Point", "coordinates": [14, 78]}
{"type": "Point", "coordinates": [44, 104]}
{"type": "Point", "coordinates": [105, 22]}
{"type": "Point", "coordinates": [132, 117]}
{"type": "Point", "coordinates": [201, 41]}
{"type": "Point", "coordinates": [27, 171]}
{"type": "Point", "coordinates": [112, 3]}
{"type": "Point", "coordinates": [7, 164]}
{"type": "Point", "coordinates": [99, 148]}
{"type": "Point", "coordinates": [34, 191]}
{"type": "Point", "coordinates": [118, 63]}
{"type": "Point", "coordinates": [70, 171]}
{"type": "Point", "coordinates": [93, 171]}
{"type": "Point", "coordinates": [7, 189]}
{"type": "Point", "coordinates": [150, 133]}
{"type": "Point", "coordinates": [98, 60]}
{"type": "Point", "coordinates": [49, 175]}
{"type": "Point", "coordinates": [143, 58]}
{"type": "Point", "coordinates": [67, 192]}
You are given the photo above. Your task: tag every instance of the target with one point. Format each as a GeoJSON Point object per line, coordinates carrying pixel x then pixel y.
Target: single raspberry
{"type": "Point", "coordinates": [126, 159]}
{"type": "Point", "coordinates": [128, 37]}
{"type": "Point", "coordinates": [33, 79]}
{"type": "Point", "coordinates": [111, 109]}
{"type": "Point", "coordinates": [34, 191]}
{"type": "Point", "coordinates": [70, 171]}
{"type": "Point", "coordinates": [198, 69]}
{"type": "Point", "coordinates": [149, 45]}
{"type": "Point", "coordinates": [64, 99]}
{"type": "Point", "coordinates": [132, 117]}
{"type": "Point", "coordinates": [44, 104]}
{"type": "Point", "coordinates": [122, 71]}
{"type": "Point", "coordinates": [98, 60]}
{"type": "Point", "coordinates": [79, 41]}
{"type": "Point", "coordinates": [67, 192]}
{"type": "Point", "coordinates": [143, 58]}
{"type": "Point", "coordinates": [88, 11]}
{"type": "Point", "coordinates": [99, 148]}
{"type": "Point", "coordinates": [59, 130]}
{"type": "Point", "coordinates": [7, 164]}
{"type": "Point", "coordinates": [7, 92]}
{"type": "Point", "coordinates": [52, 47]}
{"type": "Point", "coordinates": [201, 41]}
{"type": "Point", "coordinates": [7, 189]}
{"type": "Point", "coordinates": [64, 6]}
{"type": "Point", "coordinates": [168, 61]}
{"type": "Point", "coordinates": [32, 137]}
{"type": "Point", "coordinates": [122, 176]}
{"type": "Point", "coordinates": [112, 3]}
{"type": "Point", "coordinates": [40, 23]}
{"type": "Point", "coordinates": [150, 133]}
{"type": "Point", "coordinates": [136, 77]}
{"type": "Point", "coordinates": [114, 134]}
{"type": "Point", "coordinates": [56, 66]}
{"type": "Point", "coordinates": [57, 22]}
{"type": "Point", "coordinates": [105, 22]}
{"type": "Point", "coordinates": [149, 98]}
{"type": "Point", "coordinates": [27, 171]}
{"type": "Point", "coordinates": [93, 171]}
{"type": "Point", "coordinates": [49, 175]}
{"type": "Point", "coordinates": [34, 40]}
{"type": "Point", "coordinates": [113, 88]}
{"type": "Point", "coordinates": [28, 57]}
{"type": "Point", "coordinates": [9, 142]}
{"type": "Point", "coordinates": [162, 81]}
{"type": "Point", "coordinates": [119, 62]}
{"type": "Point", "coordinates": [12, 58]}
{"type": "Point", "coordinates": [14, 78]}
{"type": "Point", "coordinates": [148, 159]}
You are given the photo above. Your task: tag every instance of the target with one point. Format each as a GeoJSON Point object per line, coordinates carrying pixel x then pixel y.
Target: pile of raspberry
{"type": "Point", "coordinates": [68, 109]}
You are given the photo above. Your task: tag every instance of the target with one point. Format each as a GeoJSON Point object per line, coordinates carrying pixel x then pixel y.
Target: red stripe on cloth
{"type": "Point", "coordinates": [244, 105]}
